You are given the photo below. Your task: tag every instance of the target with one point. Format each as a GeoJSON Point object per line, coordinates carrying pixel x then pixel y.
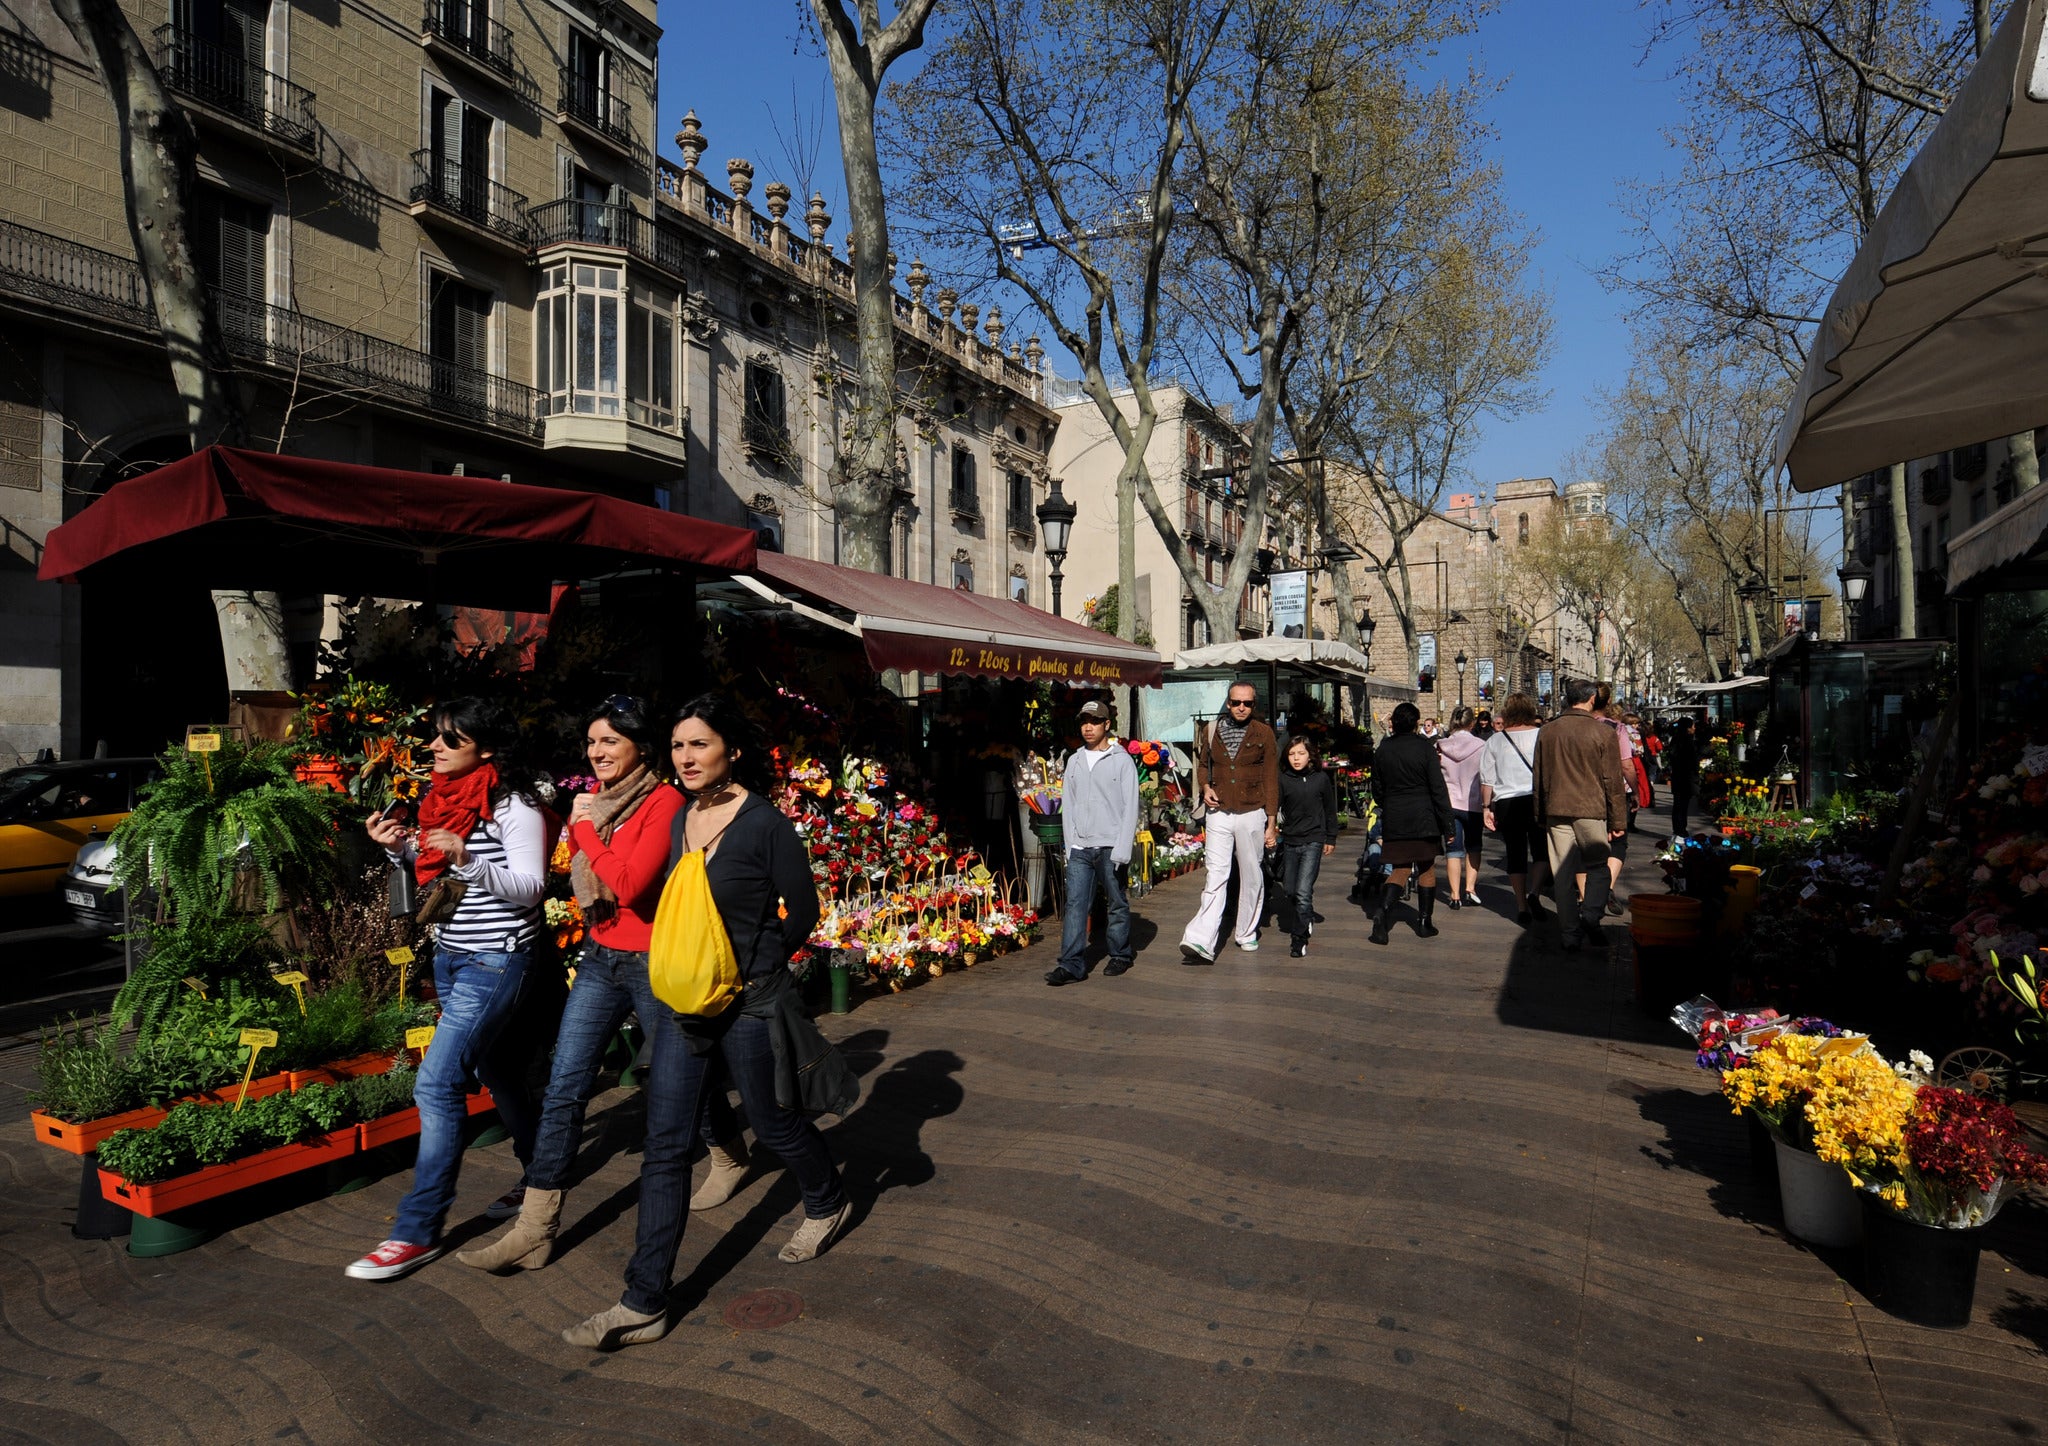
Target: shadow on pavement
{"type": "Point", "coordinates": [1702, 1137]}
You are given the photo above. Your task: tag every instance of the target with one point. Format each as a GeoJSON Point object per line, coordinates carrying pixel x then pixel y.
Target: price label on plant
{"type": "Point", "coordinates": [402, 957]}
{"type": "Point", "coordinates": [256, 1040]}
{"type": "Point", "coordinates": [202, 742]}
{"type": "Point", "coordinates": [420, 1037]}
{"type": "Point", "coordinates": [296, 981]}
{"type": "Point", "coordinates": [194, 983]}
{"type": "Point", "coordinates": [979, 874]}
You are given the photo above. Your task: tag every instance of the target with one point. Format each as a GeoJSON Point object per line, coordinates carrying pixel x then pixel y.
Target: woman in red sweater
{"type": "Point", "coordinates": [620, 835]}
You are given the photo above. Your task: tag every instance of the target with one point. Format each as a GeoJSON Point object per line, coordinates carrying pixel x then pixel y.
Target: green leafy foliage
{"type": "Point", "coordinates": [219, 822]}
{"type": "Point", "coordinates": [80, 1072]}
{"type": "Point", "coordinates": [195, 1136]}
{"type": "Point", "coordinates": [373, 1096]}
{"type": "Point", "coordinates": [336, 1025]}
{"type": "Point", "coordinates": [219, 950]}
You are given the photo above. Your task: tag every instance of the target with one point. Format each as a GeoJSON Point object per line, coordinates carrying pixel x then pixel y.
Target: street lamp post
{"type": "Point", "coordinates": [1365, 630]}
{"type": "Point", "coordinates": [1459, 663]}
{"type": "Point", "coordinates": [1744, 656]}
{"type": "Point", "coordinates": [1855, 576]}
{"type": "Point", "coordinates": [1055, 521]}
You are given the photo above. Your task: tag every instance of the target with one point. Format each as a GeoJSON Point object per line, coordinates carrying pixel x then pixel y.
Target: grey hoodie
{"type": "Point", "coordinates": [1099, 802]}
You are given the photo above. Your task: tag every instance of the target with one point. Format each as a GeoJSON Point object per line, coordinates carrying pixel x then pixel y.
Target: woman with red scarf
{"type": "Point", "coordinates": [481, 860]}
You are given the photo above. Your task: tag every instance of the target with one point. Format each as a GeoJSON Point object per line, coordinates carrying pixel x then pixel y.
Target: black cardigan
{"type": "Point", "coordinates": [1408, 782]}
{"type": "Point", "coordinates": [759, 864]}
{"type": "Point", "coordinates": [1308, 807]}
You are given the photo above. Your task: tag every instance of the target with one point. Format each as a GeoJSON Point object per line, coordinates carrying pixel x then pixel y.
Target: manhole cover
{"type": "Point", "coordinates": [764, 1310]}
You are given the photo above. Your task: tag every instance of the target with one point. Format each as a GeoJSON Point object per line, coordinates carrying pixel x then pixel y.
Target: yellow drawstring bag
{"type": "Point", "coordinates": [690, 961]}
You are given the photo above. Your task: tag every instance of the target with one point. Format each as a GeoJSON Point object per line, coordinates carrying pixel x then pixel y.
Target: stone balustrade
{"type": "Point", "coordinates": [689, 192]}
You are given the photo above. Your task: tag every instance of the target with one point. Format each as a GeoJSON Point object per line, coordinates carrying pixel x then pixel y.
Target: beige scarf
{"type": "Point", "coordinates": [609, 808]}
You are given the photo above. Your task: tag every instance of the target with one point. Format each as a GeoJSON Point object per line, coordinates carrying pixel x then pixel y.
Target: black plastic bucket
{"type": "Point", "coordinates": [1919, 1272]}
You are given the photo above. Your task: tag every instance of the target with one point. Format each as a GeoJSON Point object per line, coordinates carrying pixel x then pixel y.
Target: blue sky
{"type": "Point", "coordinates": [1578, 119]}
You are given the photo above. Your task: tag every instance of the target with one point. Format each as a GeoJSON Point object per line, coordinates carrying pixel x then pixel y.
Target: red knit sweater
{"type": "Point", "coordinates": [633, 866]}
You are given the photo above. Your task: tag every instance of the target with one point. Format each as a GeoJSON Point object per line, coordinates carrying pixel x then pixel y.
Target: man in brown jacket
{"type": "Point", "coordinates": [1237, 771]}
{"type": "Point", "coordinates": [1582, 806]}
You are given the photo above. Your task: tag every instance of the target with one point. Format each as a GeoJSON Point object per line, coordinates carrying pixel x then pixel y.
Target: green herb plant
{"type": "Point", "coordinates": [197, 1136]}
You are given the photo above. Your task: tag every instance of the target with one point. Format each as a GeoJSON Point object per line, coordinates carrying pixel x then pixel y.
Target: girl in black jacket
{"type": "Point", "coordinates": [1415, 818]}
{"type": "Point", "coordinates": [1308, 832]}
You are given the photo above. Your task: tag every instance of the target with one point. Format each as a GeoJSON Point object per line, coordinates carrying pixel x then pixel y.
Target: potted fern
{"type": "Point", "coordinates": [220, 840]}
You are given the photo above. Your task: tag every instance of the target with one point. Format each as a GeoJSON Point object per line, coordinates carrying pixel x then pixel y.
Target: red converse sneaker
{"type": "Point", "coordinates": [392, 1259]}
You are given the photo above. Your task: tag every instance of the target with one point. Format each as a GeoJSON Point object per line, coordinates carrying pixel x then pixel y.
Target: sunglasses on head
{"type": "Point", "coordinates": [624, 703]}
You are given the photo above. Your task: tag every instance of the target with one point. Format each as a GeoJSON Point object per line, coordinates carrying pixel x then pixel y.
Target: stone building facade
{"type": "Point", "coordinates": [1195, 458]}
{"type": "Point", "coordinates": [442, 242]}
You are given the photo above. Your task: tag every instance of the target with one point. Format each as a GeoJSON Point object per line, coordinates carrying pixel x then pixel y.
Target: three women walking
{"type": "Point", "coordinates": [631, 837]}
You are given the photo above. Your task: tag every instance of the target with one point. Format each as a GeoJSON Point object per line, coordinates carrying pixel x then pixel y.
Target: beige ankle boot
{"type": "Point", "coordinates": [529, 1243]}
{"type": "Point", "coordinates": [730, 1165]}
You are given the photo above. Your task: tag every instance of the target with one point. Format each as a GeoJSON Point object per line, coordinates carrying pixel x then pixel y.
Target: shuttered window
{"type": "Point", "coordinates": [459, 323]}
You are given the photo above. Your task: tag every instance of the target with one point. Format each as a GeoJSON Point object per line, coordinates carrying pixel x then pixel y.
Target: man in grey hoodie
{"type": "Point", "coordinates": [1099, 810]}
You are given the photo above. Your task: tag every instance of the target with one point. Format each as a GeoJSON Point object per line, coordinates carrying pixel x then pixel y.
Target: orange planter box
{"type": "Point", "coordinates": [163, 1196]}
{"type": "Point", "coordinates": [390, 1129]}
{"type": "Point", "coordinates": [405, 1124]}
{"type": "Point", "coordinates": [84, 1137]}
{"type": "Point", "coordinates": [338, 1070]}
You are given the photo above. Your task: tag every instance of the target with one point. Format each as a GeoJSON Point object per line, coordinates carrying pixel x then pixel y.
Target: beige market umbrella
{"type": "Point", "coordinates": [1937, 335]}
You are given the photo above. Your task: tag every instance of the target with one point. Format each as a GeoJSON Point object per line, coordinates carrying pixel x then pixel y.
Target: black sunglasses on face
{"type": "Point", "coordinates": [455, 740]}
{"type": "Point", "coordinates": [1240, 702]}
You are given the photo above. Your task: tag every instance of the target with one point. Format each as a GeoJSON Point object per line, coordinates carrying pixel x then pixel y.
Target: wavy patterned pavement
{"type": "Point", "coordinates": [1449, 1190]}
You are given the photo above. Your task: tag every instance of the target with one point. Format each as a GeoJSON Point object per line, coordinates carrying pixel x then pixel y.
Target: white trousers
{"type": "Point", "coordinates": [1239, 836]}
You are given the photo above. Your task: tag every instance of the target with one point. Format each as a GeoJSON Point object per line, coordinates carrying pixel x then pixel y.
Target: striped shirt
{"type": "Point", "coordinates": [507, 875]}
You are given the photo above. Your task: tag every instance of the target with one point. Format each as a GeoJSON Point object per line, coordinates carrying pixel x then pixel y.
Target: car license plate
{"type": "Point", "coordinates": [81, 898]}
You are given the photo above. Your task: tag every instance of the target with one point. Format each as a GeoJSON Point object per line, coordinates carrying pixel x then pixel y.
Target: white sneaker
{"type": "Point", "coordinates": [1250, 946]}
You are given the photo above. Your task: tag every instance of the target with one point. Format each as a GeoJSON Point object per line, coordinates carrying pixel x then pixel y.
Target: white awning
{"type": "Point", "coordinates": [1932, 339]}
{"type": "Point", "coordinates": [1725, 685]}
{"type": "Point", "coordinates": [1323, 656]}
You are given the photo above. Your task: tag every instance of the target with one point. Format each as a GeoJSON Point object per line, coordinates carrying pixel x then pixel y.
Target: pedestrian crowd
{"type": "Point", "coordinates": [698, 892]}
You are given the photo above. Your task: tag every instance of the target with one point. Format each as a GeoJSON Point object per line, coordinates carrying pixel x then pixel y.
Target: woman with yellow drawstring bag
{"type": "Point", "coordinates": [738, 903]}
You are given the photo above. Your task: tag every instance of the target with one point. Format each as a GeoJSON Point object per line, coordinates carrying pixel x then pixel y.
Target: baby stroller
{"type": "Point", "coordinates": [1372, 872]}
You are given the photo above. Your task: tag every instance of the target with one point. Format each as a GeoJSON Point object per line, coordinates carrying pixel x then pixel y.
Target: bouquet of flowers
{"type": "Point", "coordinates": [372, 733]}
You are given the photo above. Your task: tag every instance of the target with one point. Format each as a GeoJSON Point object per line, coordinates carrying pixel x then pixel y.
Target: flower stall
{"type": "Point", "coordinates": [1871, 1153]}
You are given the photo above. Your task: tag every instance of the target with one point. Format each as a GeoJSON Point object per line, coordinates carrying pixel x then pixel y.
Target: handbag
{"type": "Point", "coordinates": [690, 963]}
{"type": "Point", "coordinates": [442, 896]}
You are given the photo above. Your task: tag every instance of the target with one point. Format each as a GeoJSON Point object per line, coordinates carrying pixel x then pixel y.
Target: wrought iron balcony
{"type": "Point", "coordinates": [350, 361]}
{"type": "Point", "coordinates": [593, 108]}
{"type": "Point", "coordinates": [1021, 521]}
{"type": "Point", "coordinates": [62, 273]}
{"type": "Point", "coordinates": [57, 273]}
{"type": "Point", "coordinates": [446, 184]}
{"type": "Point", "coordinates": [464, 28]}
{"type": "Point", "coordinates": [225, 80]}
{"type": "Point", "coordinates": [595, 223]}
{"type": "Point", "coordinates": [965, 502]}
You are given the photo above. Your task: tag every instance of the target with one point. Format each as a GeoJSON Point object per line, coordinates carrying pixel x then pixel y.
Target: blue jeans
{"type": "Point", "coordinates": [1086, 868]}
{"type": "Point", "coordinates": [1299, 865]}
{"type": "Point", "coordinates": [610, 984]}
{"type": "Point", "coordinates": [479, 994]}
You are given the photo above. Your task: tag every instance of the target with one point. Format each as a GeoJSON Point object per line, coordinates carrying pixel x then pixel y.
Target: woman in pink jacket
{"type": "Point", "coordinates": [1458, 753]}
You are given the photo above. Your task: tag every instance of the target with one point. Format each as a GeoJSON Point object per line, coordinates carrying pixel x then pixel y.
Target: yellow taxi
{"type": "Point", "coordinates": [48, 811]}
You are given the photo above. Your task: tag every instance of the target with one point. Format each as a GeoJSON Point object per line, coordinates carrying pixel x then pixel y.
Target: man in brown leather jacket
{"type": "Point", "coordinates": [1237, 770]}
{"type": "Point", "coordinates": [1582, 806]}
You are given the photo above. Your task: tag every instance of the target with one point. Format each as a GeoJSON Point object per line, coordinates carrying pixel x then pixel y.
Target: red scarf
{"type": "Point", "coordinates": [458, 803]}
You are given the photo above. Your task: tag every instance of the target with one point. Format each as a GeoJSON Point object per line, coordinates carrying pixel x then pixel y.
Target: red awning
{"type": "Point", "coordinates": [237, 519]}
{"type": "Point", "coordinates": [915, 626]}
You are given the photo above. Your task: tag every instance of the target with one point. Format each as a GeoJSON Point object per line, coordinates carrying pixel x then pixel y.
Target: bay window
{"type": "Point", "coordinates": [604, 348]}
